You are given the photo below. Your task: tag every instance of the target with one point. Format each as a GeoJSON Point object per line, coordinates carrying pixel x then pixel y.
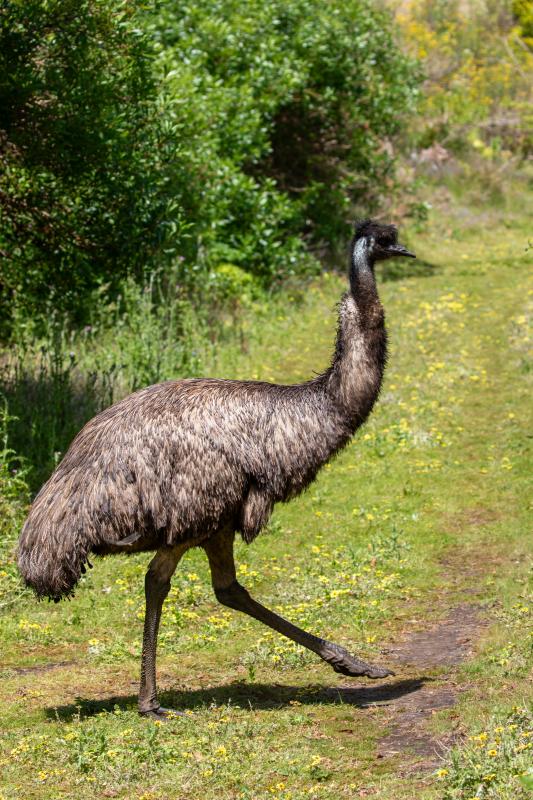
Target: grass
{"type": "Point", "coordinates": [424, 510]}
{"type": "Point", "coordinates": [493, 762]}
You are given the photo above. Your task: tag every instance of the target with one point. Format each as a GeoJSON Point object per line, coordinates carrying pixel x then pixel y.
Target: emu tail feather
{"type": "Point", "coordinates": [52, 558]}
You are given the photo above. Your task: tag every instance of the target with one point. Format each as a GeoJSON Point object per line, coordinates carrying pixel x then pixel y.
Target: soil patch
{"type": "Point", "coordinates": [472, 517]}
{"type": "Point", "coordinates": [407, 730]}
{"type": "Point", "coordinates": [446, 644]}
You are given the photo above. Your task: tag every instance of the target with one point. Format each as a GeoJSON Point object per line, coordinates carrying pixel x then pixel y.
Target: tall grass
{"type": "Point", "coordinates": [13, 502]}
{"type": "Point", "coordinates": [52, 384]}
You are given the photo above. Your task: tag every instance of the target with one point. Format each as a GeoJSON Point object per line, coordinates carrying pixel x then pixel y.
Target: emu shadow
{"type": "Point", "coordinates": [261, 696]}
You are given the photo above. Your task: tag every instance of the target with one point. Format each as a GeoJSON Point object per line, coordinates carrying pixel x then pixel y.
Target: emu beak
{"type": "Point", "coordinates": [399, 250]}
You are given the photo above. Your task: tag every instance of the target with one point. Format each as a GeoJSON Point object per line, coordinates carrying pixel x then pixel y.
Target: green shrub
{"type": "Point", "coordinates": [293, 100]}
{"type": "Point", "coordinates": [183, 136]}
{"type": "Point", "coordinates": [80, 187]}
{"type": "Point", "coordinates": [523, 13]}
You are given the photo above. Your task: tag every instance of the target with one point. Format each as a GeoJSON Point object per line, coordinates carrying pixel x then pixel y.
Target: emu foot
{"type": "Point", "coordinates": [162, 714]}
{"type": "Point", "coordinates": [344, 663]}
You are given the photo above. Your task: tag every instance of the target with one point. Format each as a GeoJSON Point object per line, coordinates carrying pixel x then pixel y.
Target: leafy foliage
{"type": "Point", "coordinates": [134, 138]}
{"type": "Point", "coordinates": [300, 93]}
{"type": "Point", "coordinates": [79, 186]}
{"type": "Point", "coordinates": [523, 13]}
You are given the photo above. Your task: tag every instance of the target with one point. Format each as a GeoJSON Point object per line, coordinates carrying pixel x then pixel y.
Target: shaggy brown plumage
{"type": "Point", "coordinates": [183, 462]}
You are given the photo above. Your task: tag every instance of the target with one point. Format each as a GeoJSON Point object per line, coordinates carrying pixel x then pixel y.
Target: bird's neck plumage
{"type": "Point", "coordinates": [355, 376]}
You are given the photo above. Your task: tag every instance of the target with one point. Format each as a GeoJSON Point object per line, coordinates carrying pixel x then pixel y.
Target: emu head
{"type": "Point", "coordinates": [378, 240]}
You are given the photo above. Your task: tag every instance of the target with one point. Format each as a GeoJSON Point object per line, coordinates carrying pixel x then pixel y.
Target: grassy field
{"type": "Point", "coordinates": [411, 548]}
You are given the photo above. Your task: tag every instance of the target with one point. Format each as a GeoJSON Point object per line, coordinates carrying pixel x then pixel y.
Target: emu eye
{"type": "Point", "coordinates": [386, 240]}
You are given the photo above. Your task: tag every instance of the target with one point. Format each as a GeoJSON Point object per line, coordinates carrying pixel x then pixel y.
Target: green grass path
{"type": "Point", "coordinates": [426, 510]}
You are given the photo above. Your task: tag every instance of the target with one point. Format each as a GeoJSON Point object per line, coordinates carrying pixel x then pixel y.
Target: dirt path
{"type": "Point", "coordinates": [446, 644]}
{"type": "Point", "coordinates": [416, 694]}
{"type": "Point", "coordinates": [437, 648]}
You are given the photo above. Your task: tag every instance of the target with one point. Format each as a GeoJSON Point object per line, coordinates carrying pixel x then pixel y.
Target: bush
{"type": "Point", "coordinates": [288, 101]}
{"type": "Point", "coordinates": [79, 186]}
{"type": "Point", "coordinates": [135, 139]}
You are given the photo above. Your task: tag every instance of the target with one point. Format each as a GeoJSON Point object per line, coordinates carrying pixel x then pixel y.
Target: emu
{"type": "Point", "coordinates": [192, 462]}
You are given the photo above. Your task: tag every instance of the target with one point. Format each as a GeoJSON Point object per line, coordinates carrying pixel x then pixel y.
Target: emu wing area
{"type": "Point", "coordinates": [179, 459]}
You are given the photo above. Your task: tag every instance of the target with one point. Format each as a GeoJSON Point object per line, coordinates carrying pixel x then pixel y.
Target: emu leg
{"type": "Point", "coordinates": [156, 586]}
{"type": "Point", "coordinates": [230, 593]}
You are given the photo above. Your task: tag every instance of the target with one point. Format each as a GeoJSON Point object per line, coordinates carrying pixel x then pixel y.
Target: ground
{"type": "Point", "coordinates": [411, 549]}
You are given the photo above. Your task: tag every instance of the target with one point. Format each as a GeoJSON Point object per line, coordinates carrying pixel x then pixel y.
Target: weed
{"type": "Point", "coordinates": [494, 762]}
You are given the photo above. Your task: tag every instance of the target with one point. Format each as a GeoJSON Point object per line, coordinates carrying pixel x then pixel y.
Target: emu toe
{"type": "Point", "coordinates": [346, 664]}
{"type": "Point", "coordinates": [162, 714]}
{"type": "Point", "coordinates": [356, 667]}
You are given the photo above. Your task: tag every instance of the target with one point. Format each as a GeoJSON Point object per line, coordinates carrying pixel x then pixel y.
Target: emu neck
{"type": "Point", "coordinates": [361, 348]}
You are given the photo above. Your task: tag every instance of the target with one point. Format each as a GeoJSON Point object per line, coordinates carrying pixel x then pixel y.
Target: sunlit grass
{"type": "Point", "coordinates": [441, 468]}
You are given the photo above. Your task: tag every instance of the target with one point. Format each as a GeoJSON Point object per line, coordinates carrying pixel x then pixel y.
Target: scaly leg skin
{"type": "Point", "coordinates": [342, 661]}
{"type": "Point", "coordinates": [230, 593]}
{"type": "Point", "coordinates": [157, 586]}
